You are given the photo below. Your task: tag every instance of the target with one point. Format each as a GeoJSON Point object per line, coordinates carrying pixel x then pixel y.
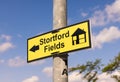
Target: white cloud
{"type": "Point", "coordinates": [104, 77]}
{"type": "Point", "coordinates": [84, 14]}
{"type": "Point", "coordinates": [2, 61]}
{"type": "Point", "coordinates": [116, 73]}
{"type": "Point", "coordinates": [105, 36]}
{"type": "Point", "coordinates": [111, 13]}
{"type": "Point", "coordinates": [48, 71]}
{"type": "Point", "coordinates": [32, 79]}
{"type": "Point", "coordinates": [6, 37]}
{"type": "Point", "coordinates": [6, 46]}
{"type": "Point", "coordinates": [16, 62]}
{"type": "Point", "coordinates": [75, 77]}
{"type": "Point", "coordinates": [98, 19]}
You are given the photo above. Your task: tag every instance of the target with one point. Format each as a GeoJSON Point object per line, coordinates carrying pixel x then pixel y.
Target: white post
{"type": "Point", "coordinates": [60, 61]}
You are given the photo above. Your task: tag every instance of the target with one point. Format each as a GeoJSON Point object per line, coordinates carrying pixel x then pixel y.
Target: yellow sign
{"type": "Point", "coordinates": [63, 40]}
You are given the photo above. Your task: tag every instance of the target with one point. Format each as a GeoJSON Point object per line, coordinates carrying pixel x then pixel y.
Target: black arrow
{"type": "Point", "coordinates": [34, 48]}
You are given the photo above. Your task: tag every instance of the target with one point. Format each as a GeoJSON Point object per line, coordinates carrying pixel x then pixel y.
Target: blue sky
{"type": "Point", "coordinates": [22, 19]}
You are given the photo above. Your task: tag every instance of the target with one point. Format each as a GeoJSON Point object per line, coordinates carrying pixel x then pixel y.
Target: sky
{"type": "Point", "coordinates": [22, 19]}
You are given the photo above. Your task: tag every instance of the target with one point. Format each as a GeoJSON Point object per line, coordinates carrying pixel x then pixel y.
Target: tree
{"type": "Point", "coordinates": [113, 65]}
{"type": "Point", "coordinates": [91, 68]}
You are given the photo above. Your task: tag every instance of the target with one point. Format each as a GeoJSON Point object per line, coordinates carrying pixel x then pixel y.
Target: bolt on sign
{"type": "Point", "coordinates": [63, 40]}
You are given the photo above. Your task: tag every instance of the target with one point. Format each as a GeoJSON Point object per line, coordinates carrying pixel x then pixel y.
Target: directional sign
{"type": "Point", "coordinates": [63, 40]}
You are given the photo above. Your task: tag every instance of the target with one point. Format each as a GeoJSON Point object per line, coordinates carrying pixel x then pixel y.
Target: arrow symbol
{"type": "Point", "coordinates": [34, 48]}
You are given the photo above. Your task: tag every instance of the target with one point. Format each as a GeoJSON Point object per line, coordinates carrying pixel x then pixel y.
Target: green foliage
{"type": "Point", "coordinates": [113, 65]}
{"type": "Point", "coordinates": [94, 80]}
{"type": "Point", "coordinates": [91, 68]}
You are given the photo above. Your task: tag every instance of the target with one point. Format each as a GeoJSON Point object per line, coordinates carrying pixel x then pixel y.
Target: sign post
{"type": "Point", "coordinates": [60, 62]}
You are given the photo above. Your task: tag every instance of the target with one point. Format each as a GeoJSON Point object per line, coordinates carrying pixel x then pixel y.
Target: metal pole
{"type": "Point", "coordinates": [60, 61]}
